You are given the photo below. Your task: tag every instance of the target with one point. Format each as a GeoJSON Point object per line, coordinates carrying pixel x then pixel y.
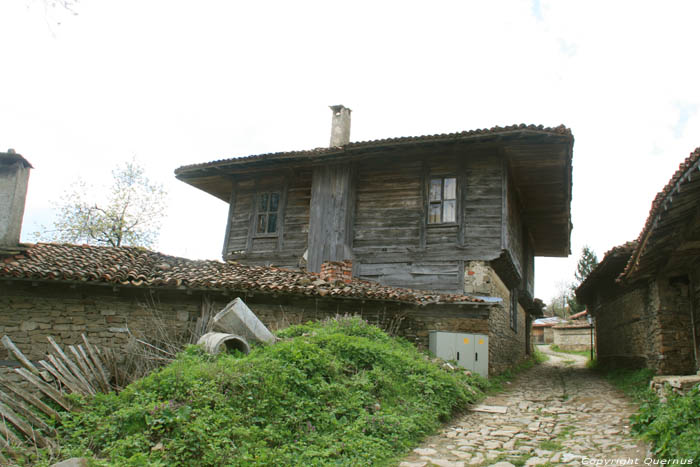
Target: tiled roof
{"type": "Point", "coordinates": [661, 203]}
{"type": "Point", "coordinates": [560, 130]}
{"type": "Point", "coordinates": [547, 322]}
{"type": "Point", "coordinates": [607, 270]}
{"type": "Point", "coordinates": [578, 315]}
{"type": "Point", "coordinates": [138, 267]}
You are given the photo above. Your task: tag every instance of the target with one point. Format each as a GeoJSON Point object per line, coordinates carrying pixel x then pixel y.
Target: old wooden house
{"type": "Point", "coordinates": [645, 295]}
{"type": "Point", "coordinates": [462, 212]}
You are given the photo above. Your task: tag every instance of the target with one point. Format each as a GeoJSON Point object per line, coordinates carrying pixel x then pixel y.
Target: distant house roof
{"type": "Point", "coordinates": [606, 272]}
{"type": "Point", "coordinates": [675, 205]}
{"type": "Point", "coordinates": [540, 164]}
{"type": "Point", "coordinates": [579, 325]}
{"type": "Point", "coordinates": [138, 267]}
{"type": "Point", "coordinates": [547, 322]}
{"type": "Point", "coordinates": [580, 314]}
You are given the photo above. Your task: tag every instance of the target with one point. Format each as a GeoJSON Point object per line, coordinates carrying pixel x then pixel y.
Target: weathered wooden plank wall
{"type": "Point", "coordinates": [373, 211]}
{"type": "Point", "coordinates": [330, 215]}
{"type": "Point", "coordinates": [287, 247]}
{"type": "Point", "coordinates": [393, 243]}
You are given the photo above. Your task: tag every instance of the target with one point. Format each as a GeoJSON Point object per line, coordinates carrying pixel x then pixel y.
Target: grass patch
{"type": "Point", "coordinates": [582, 353]}
{"type": "Point", "coordinates": [497, 383]}
{"type": "Point", "coordinates": [549, 445]}
{"type": "Point", "coordinates": [341, 393]}
{"type": "Point", "coordinates": [672, 427]}
{"type": "Point", "coordinates": [540, 357]}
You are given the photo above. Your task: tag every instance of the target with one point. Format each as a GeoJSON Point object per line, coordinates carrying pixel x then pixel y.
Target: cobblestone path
{"type": "Point", "coordinates": [558, 413]}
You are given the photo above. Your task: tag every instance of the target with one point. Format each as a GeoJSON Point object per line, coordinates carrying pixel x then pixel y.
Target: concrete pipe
{"type": "Point", "coordinates": [215, 342]}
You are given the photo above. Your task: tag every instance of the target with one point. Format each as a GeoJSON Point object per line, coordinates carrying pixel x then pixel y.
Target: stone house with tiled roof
{"type": "Point", "coordinates": [459, 213]}
{"type": "Point", "coordinates": [110, 293]}
{"type": "Point", "coordinates": [645, 295]}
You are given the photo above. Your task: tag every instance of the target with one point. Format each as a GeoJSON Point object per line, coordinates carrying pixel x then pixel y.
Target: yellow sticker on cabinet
{"type": "Point", "coordinates": [481, 342]}
{"type": "Point", "coordinates": [466, 340]}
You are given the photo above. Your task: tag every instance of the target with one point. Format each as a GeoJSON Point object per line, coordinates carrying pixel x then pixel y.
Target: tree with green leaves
{"type": "Point", "coordinates": [130, 213]}
{"type": "Point", "coordinates": [586, 263]}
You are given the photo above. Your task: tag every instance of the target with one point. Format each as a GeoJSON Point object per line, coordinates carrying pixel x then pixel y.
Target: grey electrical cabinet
{"type": "Point", "coordinates": [470, 351]}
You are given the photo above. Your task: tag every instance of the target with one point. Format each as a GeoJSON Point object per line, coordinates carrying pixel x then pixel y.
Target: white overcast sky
{"type": "Point", "coordinates": [181, 82]}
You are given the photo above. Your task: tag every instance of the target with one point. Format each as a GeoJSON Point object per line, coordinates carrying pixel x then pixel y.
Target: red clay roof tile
{"type": "Point", "coordinates": [138, 267]}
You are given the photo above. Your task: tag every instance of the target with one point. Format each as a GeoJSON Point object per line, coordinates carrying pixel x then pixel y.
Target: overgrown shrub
{"type": "Point", "coordinates": [672, 427]}
{"type": "Point", "coordinates": [341, 393]}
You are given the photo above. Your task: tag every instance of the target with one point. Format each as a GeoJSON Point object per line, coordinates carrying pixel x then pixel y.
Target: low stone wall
{"type": "Point", "coordinates": [573, 337]}
{"type": "Point", "coordinates": [31, 311]}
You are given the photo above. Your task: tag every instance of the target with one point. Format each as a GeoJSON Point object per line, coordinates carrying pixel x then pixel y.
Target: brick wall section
{"type": "Point", "coordinates": [332, 271]}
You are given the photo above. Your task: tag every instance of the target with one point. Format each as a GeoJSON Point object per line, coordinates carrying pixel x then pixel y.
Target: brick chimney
{"type": "Point", "coordinates": [334, 271]}
{"type": "Point", "coordinates": [14, 175]}
{"type": "Point", "coordinates": [340, 129]}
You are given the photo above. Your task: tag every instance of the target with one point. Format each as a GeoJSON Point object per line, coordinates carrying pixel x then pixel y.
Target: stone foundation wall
{"type": "Point", "coordinates": [626, 328]}
{"type": "Point", "coordinates": [506, 347]}
{"type": "Point", "coordinates": [573, 338]}
{"type": "Point", "coordinates": [29, 313]}
{"type": "Point", "coordinates": [674, 338]}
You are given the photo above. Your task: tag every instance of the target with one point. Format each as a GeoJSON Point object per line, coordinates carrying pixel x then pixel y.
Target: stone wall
{"type": "Point", "coordinates": [506, 347]}
{"type": "Point", "coordinates": [572, 338]}
{"type": "Point", "coordinates": [28, 313]}
{"type": "Point", "coordinates": [626, 328]}
{"type": "Point", "coordinates": [649, 326]}
{"type": "Point", "coordinates": [674, 338]}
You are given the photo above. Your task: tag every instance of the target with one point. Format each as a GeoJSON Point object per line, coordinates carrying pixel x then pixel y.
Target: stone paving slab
{"type": "Point", "coordinates": [558, 413]}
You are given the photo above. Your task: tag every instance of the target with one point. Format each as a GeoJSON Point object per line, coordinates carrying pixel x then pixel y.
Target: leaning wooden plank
{"type": "Point", "coordinates": [31, 434]}
{"type": "Point", "coordinates": [24, 361]}
{"type": "Point", "coordinates": [96, 361]}
{"type": "Point", "coordinates": [19, 407]}
{"type": "Point", "coordinates": [32, 399]}
{"type": "Point", "coordinates": [77, 374]}
{"type": "Point", "coordinates": [65, 375]}
{"type": "Point", "coordinates": [89, 377]}
{"type": "Point", "coordinates": [10, 437]}
{"type": "Point", "coordinates": [93, 370]}
{"type": "Point", "coordinates": [45, 388]}
{"type": "Point", "coordinates": [53, 371]}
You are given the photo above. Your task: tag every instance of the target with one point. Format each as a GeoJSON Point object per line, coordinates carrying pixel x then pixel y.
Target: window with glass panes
{"type": "Point", "coordinates": [268, 206]}
{"type": "Point", "coordinates": [442, 203]}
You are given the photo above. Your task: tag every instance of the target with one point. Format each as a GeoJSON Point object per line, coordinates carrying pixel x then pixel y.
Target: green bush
{"type": "Point", "coordinates": [340, 392]}
{"type": "Point", "coordinates": [672, 427]}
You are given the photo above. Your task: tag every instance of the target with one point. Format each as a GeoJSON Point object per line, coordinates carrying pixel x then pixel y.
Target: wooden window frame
{"type": "Point", "coordinates": [442, 200]}
{"type": "Point", "coordinates": [266, 213]}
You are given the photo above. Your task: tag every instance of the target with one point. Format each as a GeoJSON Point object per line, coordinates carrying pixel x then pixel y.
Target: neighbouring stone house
{"type": "Point", "coordinates": [644, 295]}
{"type": "Point", "coordinates": [458, 213]}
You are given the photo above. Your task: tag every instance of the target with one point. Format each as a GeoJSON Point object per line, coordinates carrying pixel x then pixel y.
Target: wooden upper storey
{"type": "Point", "coordinates": [535, 163]}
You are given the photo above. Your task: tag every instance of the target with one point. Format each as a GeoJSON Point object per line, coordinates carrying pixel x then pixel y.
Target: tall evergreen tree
{"type": "Point", "coordinates": [586, 263]}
